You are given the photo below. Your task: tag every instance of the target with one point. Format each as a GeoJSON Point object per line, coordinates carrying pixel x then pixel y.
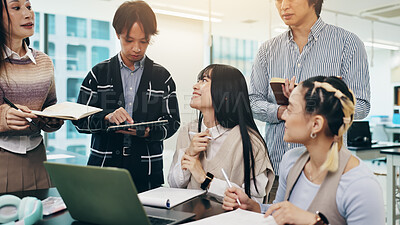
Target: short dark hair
{"type": "Point", "coordinates": [317, 5]}
{"type": "Point", "coordinates": [131, 12]}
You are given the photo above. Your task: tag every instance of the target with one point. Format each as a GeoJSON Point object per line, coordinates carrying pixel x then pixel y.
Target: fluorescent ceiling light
{"type": "Point", "coordinates": [186, 15]}
{"type": "Point", "coordinates": [382, 46]}
{"type": "Point", "coordinates": [183, 9]}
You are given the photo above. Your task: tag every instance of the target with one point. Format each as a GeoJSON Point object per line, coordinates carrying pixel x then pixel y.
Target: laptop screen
{"type": "Point", "coordinates": [105, 195]}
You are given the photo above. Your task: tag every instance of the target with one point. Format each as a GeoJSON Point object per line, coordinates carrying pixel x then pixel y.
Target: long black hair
{"type": "Point", "coordinates": [5, 37]}
{"type": "Point", "coordinates": [230, 100]}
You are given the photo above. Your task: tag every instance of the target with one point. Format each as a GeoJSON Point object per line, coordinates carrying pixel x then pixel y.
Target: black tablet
{"type": "Point", "coordinates": [139, 126]}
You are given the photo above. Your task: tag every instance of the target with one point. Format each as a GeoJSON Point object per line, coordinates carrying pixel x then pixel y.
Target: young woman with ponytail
{"type": "Point", "coordinates": [225, 136]}
{"type": "Point", "coordinates": [322, 182]}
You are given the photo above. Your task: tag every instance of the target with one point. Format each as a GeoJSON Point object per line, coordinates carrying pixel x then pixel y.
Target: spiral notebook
{"type": "Point", "coordinates": [164, 197]}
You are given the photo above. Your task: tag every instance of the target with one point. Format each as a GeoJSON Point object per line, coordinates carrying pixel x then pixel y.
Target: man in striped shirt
{"type": "Point", "coordinates": [309, 48]}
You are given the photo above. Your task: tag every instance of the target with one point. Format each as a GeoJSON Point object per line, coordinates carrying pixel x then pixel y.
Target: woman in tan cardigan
{"type": "Point", "coordinates": [225, 136]}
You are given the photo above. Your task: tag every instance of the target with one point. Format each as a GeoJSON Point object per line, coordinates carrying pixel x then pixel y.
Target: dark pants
{"type": "Point", "coordinates": [274, 189]}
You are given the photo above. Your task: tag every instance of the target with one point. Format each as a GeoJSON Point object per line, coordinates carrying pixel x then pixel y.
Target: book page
{"type": "Point", "coordinates": [280, 80]}
{"type": "Point", "coordinates": [277, 80]}
{"type": "Point", "coordinates": [237, 217]}
{"type": "Point", "coordinates": [68, 111]}
{"type": "Point", "coordinates": [165, 197]}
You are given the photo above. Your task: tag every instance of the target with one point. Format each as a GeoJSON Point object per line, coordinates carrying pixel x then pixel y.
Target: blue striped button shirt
{"type": "Point", "coordinates": [330, 51]}
{"type": "Point", "coordinates": [130, 82]}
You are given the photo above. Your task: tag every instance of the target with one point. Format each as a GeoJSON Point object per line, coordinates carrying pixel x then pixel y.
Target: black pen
{"type": "Point", "coordinates": [15, 107]}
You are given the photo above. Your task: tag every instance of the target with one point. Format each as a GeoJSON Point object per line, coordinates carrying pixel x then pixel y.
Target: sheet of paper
{"type": "Point", "coordinates": [52, 205]}
{"type": "Point", "coordinates": [237, 217]}
{"type": "Point", "coordinates": [59, 156]}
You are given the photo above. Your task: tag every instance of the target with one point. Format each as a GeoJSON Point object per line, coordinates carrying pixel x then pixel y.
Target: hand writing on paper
{"type": "Point", "coordinates": [16, 120]}
{"type": "Point", "coordinates": [287, 213]}
{"type": "Point", "coordinates": [193, 164]}
{"type": "Point", "coordinates": [199, 143]}
{"type": "Point", "coordinates": [230, 202]}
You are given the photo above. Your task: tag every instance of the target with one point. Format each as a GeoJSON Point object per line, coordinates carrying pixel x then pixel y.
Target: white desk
{"type": "Point", "coordinates": [391, 130]}
{"type": "Point", "coordinates": [393, 160]}
{"type": "Point", "coordinates": [373, 151]}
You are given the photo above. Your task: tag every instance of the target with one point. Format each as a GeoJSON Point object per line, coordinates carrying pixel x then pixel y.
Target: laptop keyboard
{"type": "Point", "coordinates": [160, 221]}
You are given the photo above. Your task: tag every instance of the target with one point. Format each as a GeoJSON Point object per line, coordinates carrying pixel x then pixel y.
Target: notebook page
{"type": "Point", "coordinates": [237, 217]}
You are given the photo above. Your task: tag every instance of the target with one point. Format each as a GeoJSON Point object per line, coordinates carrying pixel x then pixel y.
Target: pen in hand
{"type": "Point", "coordinates": [15, 107]}
{"type": "Point", "coordinates": [229, 183]}
{"type": "Point", "coordinates": [194, 133]}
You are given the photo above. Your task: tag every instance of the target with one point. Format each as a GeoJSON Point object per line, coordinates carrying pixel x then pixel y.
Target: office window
{"type": "Point", "coordinates": [76, 51]}
{"type": "Point", "coordinates": [100, 30]}
{"type": "Point", "coordinates": [72, 133]}
{"type": "Point", "coordinates": [51, 135]}
{"type": "Point", "coordinates": [36, 44]}
{"type": "Point", "coordinates": [80, 149]}
{"type": "Point", "coordinates": [76, 27]}
{"type": "Point", "coordinates": [73, 86]}
{"type": "Point", "coordinates": [52, 50]}
{"type": "Point", "coordinates": [52, 23]}
{"type": "Point", "coordinates": [51, 26]}
{"type": "Point", "coordinates": [235, 52]}
{"type": "Point", "coordinates": [37, 22]}
{"type": "Point", "coordinates": [76, 57]}
{"type": "Point", "coordinates": [99, 54]}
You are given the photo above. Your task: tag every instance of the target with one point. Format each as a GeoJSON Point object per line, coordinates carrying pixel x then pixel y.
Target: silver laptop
{"type": "Point", "coordinates": [106, 196]}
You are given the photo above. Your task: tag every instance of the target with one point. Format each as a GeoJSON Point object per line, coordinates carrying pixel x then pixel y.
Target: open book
{"type": "Point", "coordinates": [276, 85]}
{"type": "Point", "coordinates": [165, 197]}
{"type": "Point", "coordinates": [237, 217]}
{"type": "Point", "coordinates": [68, 111]}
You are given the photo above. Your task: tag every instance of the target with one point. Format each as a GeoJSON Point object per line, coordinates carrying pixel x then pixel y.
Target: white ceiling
{"type": "Point", "coordinates": [240, 10]}
{"type": "Point", "coordinates": [262, 14]}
